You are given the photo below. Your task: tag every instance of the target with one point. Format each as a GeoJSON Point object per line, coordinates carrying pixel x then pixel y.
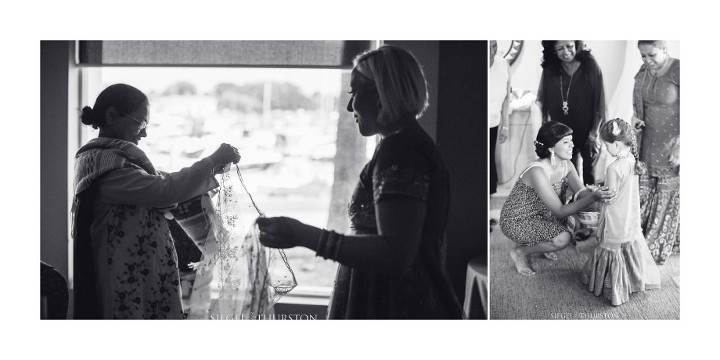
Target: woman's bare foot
{"type": "Point", "coordinates": [521, 263]}
{"type": "Point", "coordinates": [551, 256]}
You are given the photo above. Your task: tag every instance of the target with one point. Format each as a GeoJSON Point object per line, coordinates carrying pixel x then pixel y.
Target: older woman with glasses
{"type": "Point", "coordinates": [125, 263]}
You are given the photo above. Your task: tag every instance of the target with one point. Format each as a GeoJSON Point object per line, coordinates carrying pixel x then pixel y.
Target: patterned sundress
{"type": "Point", "coordinates": [525, 219]}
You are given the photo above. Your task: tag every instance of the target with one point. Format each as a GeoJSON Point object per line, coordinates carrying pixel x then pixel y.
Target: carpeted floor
{"type": "Point", "coordinates": [556, 291]}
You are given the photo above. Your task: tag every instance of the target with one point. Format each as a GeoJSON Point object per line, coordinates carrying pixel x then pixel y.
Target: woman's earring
{"type": "Point", "coordinates": [552, 158]}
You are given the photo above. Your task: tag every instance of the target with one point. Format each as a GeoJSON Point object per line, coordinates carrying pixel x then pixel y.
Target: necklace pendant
{"type": "Point", "coordinates": [565, 107]}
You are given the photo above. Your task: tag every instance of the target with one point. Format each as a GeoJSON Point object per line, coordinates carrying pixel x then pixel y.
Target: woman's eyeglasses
{"type": "Point", "coordinates": [141, 123]}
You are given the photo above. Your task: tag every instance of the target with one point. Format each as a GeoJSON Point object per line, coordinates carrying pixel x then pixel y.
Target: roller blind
{"type": "Point", "coordinates": [313, 54]}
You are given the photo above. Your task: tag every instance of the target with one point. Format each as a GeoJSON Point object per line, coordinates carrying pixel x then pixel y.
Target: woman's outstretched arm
{"type": "Point", "coordinates": [536, 178]}
{"type": "Point", "coordinates": [136, 187]}
{"type": "Point", "coordinates": [400, 223]}
{"type": "Point", "coordinates": [133, 186]}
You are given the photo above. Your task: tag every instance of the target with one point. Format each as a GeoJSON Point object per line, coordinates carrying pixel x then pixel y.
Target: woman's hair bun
{"type": "Point", "coordinates": [122, 97]}
{"type": "Point", "coordinates": [549, 134]}
{"type": "Point", "coordinates": [88, 117]}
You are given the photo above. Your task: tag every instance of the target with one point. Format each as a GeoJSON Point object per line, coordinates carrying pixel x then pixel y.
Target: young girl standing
{"type": "Point", "coordinates": [622, 263]}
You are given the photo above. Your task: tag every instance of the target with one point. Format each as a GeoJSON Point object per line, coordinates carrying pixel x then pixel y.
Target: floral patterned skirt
{"type": "Point", "coordinates": [660, 215]}
{"type": "Point", "coordinates": [526, 220]}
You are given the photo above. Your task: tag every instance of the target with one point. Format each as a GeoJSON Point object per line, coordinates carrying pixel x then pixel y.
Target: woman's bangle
{"type": "Point", "coordinates": [578, 193]}
{"type": "Point", "coordinates": [329, 243]}
{"type": "Point", "coordinates": [322, 239]}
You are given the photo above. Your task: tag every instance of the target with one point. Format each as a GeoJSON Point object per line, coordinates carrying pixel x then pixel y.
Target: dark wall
{"type": "Point", "coordinates": [462, 141]}
{"type": "Point", "coordinates": [54, 98]}
{"type": "Point", "coordinates": [427, 53]}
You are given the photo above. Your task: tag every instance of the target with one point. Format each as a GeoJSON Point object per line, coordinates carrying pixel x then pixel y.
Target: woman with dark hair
{"type": "Point", "coordinates": [534, 214]}
{"type": "Point", "coordinates": [125, 263]}
{"type": "Point", "coordinates": [392, 265]}
{"type": "Point", "coordinates": [656, 104]}
{"type": "Point", "coordinates": [572, 92]}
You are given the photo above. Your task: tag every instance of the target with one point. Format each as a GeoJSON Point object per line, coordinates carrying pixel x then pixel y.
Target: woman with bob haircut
{"type": "Point", "coordinates": [534, 214]}
{"type": "Point", "coordinates": [391, 264]}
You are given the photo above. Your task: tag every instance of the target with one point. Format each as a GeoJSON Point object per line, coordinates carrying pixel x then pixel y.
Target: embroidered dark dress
{"type": "Point", "coordinates": [405, 164]}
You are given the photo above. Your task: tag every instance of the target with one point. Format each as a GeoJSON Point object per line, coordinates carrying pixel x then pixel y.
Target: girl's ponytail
{"type": "Point", "coordinates": [619, 130]}
{"type": "Point", "coordinates": [640, 168]}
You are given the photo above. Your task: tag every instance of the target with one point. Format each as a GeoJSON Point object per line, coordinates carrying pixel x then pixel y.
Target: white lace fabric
{"type": "Point", "coordinates": [237, 277]}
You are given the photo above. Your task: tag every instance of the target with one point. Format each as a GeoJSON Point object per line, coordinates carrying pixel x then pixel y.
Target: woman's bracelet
{"type": "Point", "coordinates": [328, 245]}
{"type": "Point", "coordinates": [322, 239]}
{"type": "Point", "coordinates": [575, 197]}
